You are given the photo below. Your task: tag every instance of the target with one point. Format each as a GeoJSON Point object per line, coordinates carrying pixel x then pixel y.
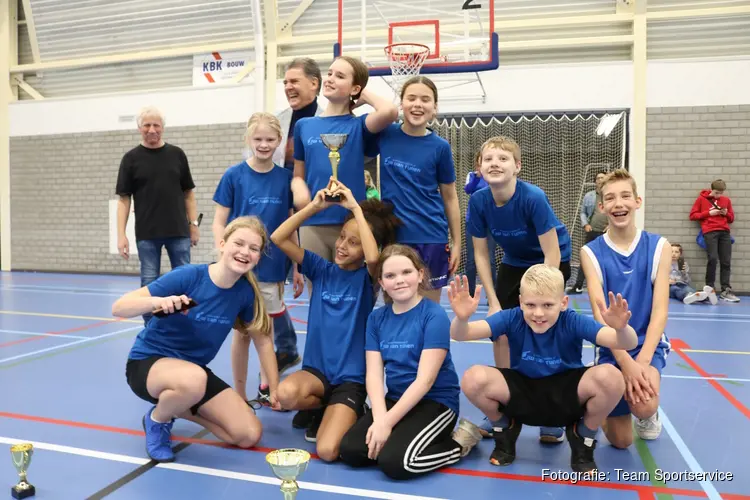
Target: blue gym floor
{"type": "Point", "coordinates": [62, 365]}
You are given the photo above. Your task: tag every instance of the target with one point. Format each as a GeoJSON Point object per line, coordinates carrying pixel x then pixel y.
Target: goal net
{"type": "Point", "coordinates": [561, 153]}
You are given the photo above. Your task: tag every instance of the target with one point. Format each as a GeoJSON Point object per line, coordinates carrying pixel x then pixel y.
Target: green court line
{"type": "Point", "coordinates": [690, 369]}
{"type": "Point", "coordinates": [66, 350]}
{"type": "Point", "coordinates": [649, 463]}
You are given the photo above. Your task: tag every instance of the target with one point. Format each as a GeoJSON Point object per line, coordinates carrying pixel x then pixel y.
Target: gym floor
{"type": "Point", "coordinates": [62, 365]}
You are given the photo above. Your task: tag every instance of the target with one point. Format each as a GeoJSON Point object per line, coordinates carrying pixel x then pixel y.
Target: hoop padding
{"type": "Point", "coordinates": [405, 59]}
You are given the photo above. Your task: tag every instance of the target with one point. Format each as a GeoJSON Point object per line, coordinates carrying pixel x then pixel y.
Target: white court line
{"type": "Point", "coordinates": [38, 334]}
{"type": "Point", "coordinates": [698, 377]}
{"type": "Point", "coordinates": [707, 486]}
{"type": "Point", "coordinates": [63, 292]}
{"type": "Point", "coordinates": [207, 471]}
{"type": "Point", "coordinates": [61, 346]}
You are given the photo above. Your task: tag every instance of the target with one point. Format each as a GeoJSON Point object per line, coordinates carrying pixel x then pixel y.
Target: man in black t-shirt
{"type": "Point", "coordinates": [157, 176]}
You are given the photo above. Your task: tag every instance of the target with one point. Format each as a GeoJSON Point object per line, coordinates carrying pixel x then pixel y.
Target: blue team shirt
{"type": "Point", "coordinates": [269, 197]}
{"type": "Point", "coordinates": [401, 338]}
{"type": "Point", "coordinates": [198, 335]}
{"type": "Point", "coordinates": [340, 304]}
{"type": "Point", "coordinates": [411, 170]}
{"type": "Point", "coordinates": [538, 355]}
{"type": "Point", "coordinates": [517, 225]}
{"type": "Point", "coordinates": [309, 147]}
{"type": "Point", "coordinates": [631, 273]}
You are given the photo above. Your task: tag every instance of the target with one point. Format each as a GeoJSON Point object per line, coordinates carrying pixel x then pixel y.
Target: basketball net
{"type": "Point", "coordinates": [405, 59]}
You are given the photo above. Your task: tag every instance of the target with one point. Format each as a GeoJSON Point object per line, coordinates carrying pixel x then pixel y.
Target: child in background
{"type": "Point", "coordinates": [679, 281]}
{"type": "Point", "coordinates": [372, 190]}
{"type": "Point", "coordinates": [475, 182]}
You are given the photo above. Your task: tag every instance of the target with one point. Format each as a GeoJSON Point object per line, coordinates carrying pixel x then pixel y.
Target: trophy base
{"type": "Point", "coordinates": [23, 492]}
{"type": "Point", "coordinates": [336, 198]}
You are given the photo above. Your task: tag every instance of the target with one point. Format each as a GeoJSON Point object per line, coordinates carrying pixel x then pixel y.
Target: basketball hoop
{"type": "Point", "coordinates": [405, 59]}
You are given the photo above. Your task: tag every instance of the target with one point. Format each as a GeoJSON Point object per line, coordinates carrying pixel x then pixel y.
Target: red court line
{"type": "Point", "coordinates": [293, 318]}
{"type": "Point", "coordinates": [642, 490]}
{"type": "Point", "coordinates": [678, 345]}
{"type": "Point", "coordinates": [61, 332]}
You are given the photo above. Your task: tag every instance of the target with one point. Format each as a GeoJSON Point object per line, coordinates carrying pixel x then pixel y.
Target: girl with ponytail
{"type": "Point", "coordinates": [195, 307]}
{"type": "Point", "coordinates": [345, 89]}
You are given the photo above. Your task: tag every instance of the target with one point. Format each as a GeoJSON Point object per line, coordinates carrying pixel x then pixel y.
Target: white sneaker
{"type": "Point", "coordinates": [695, 297]}
{"type": "Point", "coordinates": [467, 435]}
{"type": "Point", "coordinates": [648, 429]}
{"type": "Point", "coordinates": [711, 293]}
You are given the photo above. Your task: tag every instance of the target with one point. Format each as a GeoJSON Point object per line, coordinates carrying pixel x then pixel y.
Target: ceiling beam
{"type": "Point", "coordinates": [34, 93]}
{"type": "Point", "coordinates": [131, 57]}
{"type": "Point", "coordinates": [271, 11]}
{"type": "Point", "coordinates": [698, 13]}
{"type": "Point", "coordinates": [286, 25]}
{"type": "Point", "coordinates": [31, 29]}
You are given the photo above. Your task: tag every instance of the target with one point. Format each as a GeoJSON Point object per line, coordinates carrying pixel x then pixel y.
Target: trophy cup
{"type": "Point", "coordinates": [21, 455]}
{"type": "Point", "coordinates": [287, 464]}
{"type": "Point", "coordinates": [334, 142]}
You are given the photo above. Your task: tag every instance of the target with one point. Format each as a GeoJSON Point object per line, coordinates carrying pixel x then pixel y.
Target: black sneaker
{"type": "Point", "coordinates": [505, 444]}
{"type": "Point", "coordinates": [311, 434]}
{"type": "Point", "coordinates": [581, 451]}
{"type": "Point", "coordinates": [304, 418]}
{"type": "Point", "coordinates": [286, 361]}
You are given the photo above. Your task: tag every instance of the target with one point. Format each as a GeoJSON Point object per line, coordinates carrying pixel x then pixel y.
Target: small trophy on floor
{"type": "Point", "coordinates": [334, 142]}
{"type": "Point", "coordinates": [287, 464]}
{"type": "Point", "coordinates": [21, 455]}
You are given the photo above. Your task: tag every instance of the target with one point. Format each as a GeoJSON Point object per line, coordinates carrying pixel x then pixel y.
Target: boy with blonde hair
{"type": "Point", "coordinates": [635, 264]}
{"type": "Point", "coordinates": [521, 220]}
{"type": "Point", "coordinates": [546, 383]}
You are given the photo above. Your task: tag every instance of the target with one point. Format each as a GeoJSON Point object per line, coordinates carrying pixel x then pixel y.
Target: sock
{"type": "Point", "coordinates": [503, 423]}
{"type": "Point", "coordinates": [584, 431]}
{"type": "Point", "coordinates": [154, 420]}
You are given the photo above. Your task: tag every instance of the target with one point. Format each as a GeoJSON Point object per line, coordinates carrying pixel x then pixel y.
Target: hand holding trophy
{"type": "Point", "coordinates": [334, 142]}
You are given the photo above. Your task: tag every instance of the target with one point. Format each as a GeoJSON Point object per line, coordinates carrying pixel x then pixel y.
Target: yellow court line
{"type": "Point", "coordinates": [113, 319]}
{"type": "Point", "coordinates": [70, 316]}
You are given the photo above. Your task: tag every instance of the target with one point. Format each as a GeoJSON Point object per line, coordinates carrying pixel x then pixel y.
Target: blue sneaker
{"type": "Point", "coordinates": [158, 438]}
{"type": "Point", "coordinates": [551, 435]}
{"type": "Point", "coordinates": [485, 428]}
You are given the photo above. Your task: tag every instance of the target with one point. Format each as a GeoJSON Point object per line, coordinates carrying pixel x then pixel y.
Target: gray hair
{"type": "Point", "coordinates": [149, 112]}
{"type": "Point", "coordinates": [310, 68]}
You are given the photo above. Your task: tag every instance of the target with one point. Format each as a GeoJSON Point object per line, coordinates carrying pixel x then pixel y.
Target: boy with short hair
{"type": "Point", "coordinates": [521, 220]}
{"type": "Point", "coordinates": [546, 383]}
{"type": "Point", "coordinates": [636, 264]}
{"type": "Point", "coordinates": [714, 211]}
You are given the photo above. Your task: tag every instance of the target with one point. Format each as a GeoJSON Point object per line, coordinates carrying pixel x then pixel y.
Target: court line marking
{"type": "Point", "coordinates": [698, 377]}
{"type": "Point", "coordinates": [638, 488]}
{"type": "Point", "coordinates": [61, 335]}
{"type": "Point", "coordinates": [687, 455]}
{"type": "Point", "coordinates": [68, 344]}
{"type": "Point", "coordinates": [70, 316]}
{"type": "Point", "coordinates": [59, 332]}
{"type": "Point", "coordinates": [208, 471]}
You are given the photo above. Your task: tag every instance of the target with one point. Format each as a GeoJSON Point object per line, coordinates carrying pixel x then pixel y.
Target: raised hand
{"type": "Point", "coordinates": [617, 314]}
{"type": "Point", "coordinates": [348, 200]}
{"type": "Point", "coordinates": [462, 303]}
{"type": "Point", "coordinates": [319, 201]}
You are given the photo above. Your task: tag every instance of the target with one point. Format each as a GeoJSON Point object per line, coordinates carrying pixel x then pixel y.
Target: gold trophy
{"type": "Point", "coordinates": [21, 454]}
{"type": "Point", "coordinates": [287, 464]}
{"type": "Point", "coordinates": [334, 142]}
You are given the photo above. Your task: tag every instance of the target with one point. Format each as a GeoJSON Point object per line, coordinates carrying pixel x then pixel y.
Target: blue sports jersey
{"type": "Point", "coordinates": [538, 355]}
{"type": "Point", "coordinates": [198, 335]}
{"type": "Point", "coordinates": [309, 147]}
{"type": "Point", "coordinates": [401, 338]}
{"type": "Point", "coordinates": [630, 273]}
{"type": "Point", "coordinates": [517, 225]}
{"type": "Point", "coordinates": [411, 171]}
{"type": "Point", "coordinates": [340, 304]}
{"type": "Point", "coordinates": [269, 197]}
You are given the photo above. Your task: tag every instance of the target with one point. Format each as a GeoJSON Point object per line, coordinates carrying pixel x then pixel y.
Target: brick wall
{"type": "Point", "coordinates": [61, 186]}
{"type": "Point", "coordinates": [687, 148]}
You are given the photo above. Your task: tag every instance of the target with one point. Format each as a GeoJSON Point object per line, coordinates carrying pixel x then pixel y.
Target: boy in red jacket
{"type": "Point", "coordinates": [714, 211]}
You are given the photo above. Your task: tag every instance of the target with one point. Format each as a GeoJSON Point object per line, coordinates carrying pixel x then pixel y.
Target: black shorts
{"type": "Point", "coordinates": [136, 373]}
{"type": "Point", "coordinates": [508, 283]}
{"type": "Point", "coordinates": [544, 402]}
{"type": "Point", "coordinates": [351, 394]}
